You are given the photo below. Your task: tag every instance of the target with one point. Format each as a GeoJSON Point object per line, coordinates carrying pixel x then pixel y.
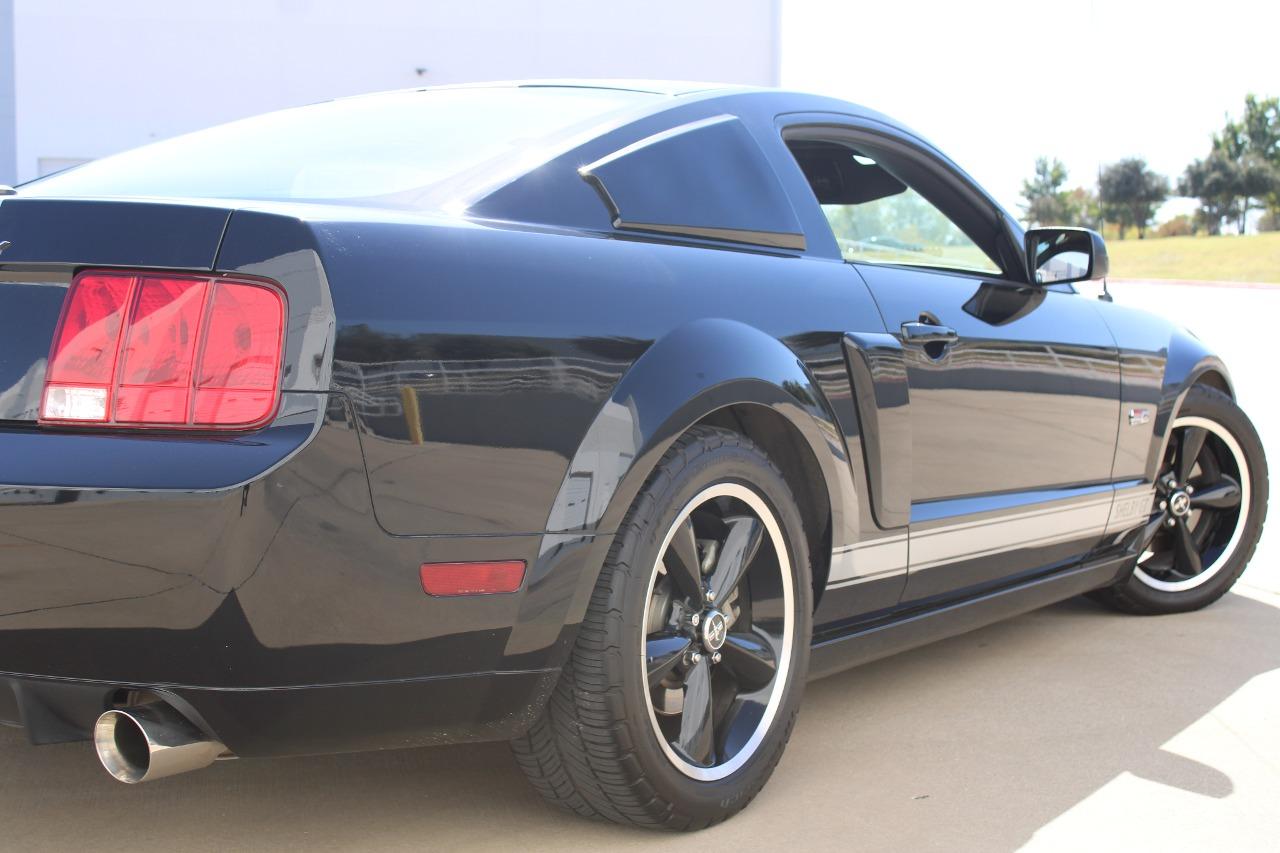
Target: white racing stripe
{"type": "Point", "coordinates": [982, 538]}
{"type": "Point", "coordinates": [876, 558]}
{"type": "Point", "coordinates": [946, 541]}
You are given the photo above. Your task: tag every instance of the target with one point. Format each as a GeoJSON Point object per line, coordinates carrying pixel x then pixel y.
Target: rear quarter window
{"type": "Point", "coordinates": [705, 179]}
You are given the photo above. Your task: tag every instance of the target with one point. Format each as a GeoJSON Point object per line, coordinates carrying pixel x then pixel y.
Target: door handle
{"type": "Point", "coordinates": [927, 333]}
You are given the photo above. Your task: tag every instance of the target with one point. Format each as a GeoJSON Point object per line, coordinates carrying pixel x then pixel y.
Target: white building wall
{"type": "Point", "coordinates": [92, 78]}
{"type": "Point", "coordinates": [8, 157]}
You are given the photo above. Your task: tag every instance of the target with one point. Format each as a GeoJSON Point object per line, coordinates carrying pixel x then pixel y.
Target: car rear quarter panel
{"type": "Point", "coordinates": [482, 360]}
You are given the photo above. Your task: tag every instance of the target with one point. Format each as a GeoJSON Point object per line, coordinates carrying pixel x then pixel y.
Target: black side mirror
{"type": "Point", "coordinates": [1062, 255]}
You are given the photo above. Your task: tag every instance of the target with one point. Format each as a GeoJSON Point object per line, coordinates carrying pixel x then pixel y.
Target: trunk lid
{"type": "Point", "coordinates": [49, 239]}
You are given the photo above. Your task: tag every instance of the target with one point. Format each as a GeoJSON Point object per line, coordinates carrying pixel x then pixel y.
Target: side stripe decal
{"type": "Point", "coordinates": [1095, 513]}
{"type": "Point", "coordinates": [969, 540]}
{"type": "Point", "coordinates": [876, 558]}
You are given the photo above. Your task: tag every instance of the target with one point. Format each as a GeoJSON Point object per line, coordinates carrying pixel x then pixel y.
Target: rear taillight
{"type": "Point", "coordinates": [165, 351]}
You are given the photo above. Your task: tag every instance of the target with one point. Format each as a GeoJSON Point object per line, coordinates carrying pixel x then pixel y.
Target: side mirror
{"type": "Point", "coordinates": [1062, 255]}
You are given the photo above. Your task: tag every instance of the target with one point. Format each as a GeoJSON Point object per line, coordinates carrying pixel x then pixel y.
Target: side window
{"type": "Point", "coordinates": [877, 218]}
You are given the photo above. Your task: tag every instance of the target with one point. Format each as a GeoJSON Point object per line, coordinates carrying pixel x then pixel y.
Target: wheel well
{"type": "Point", "coordinates": [1215, 380]}
{"type": "Point", "coordinates": [785, 445]}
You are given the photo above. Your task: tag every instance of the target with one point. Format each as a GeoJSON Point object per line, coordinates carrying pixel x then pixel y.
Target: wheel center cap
{"type": "Point", "coordinates": [714, 630]}
{"type": "Point", "coordinates": [1179, 503]}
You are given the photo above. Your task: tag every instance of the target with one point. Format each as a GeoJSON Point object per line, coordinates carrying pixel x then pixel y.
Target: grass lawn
{"type": "Point", "coordinates": [1253, 257]}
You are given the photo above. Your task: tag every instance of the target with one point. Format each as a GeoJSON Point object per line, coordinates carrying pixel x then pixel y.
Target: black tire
{"type": "Point", "coordinates": [594, 750]}
{"type": "Point", "coordinates": [1134, 594]}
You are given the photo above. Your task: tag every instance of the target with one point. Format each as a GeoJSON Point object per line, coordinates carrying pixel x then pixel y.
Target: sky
{"type": "Point", "coordinates": [996, 83]}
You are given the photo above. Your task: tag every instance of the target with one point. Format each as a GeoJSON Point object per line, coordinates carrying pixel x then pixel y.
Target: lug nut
{"type": "Point", "coordinates": [1170, 522]}
{"type": "Point", "coordinates": [694, 620]}
{"type": "Point", "coordinates": [696, 657]}
{"type": "Point", "coordinates": [715, 658]}
{"type": "Point", "coordinates": [711, 595]}
{"type": "Point", "coordinates": [1189, 489]}
{"type": "Point", "coordinates": [1164, 504]}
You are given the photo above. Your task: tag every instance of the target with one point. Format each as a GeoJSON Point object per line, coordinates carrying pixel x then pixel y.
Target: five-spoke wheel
{"type": "Point", "coordinates": [1209, 506]}
{"type": "Point", "coordinates": [1198, 520]}
{"type": "Point", "coordinates": [688, 670]}
{"type": "Point", "coordinates": [718, 631]}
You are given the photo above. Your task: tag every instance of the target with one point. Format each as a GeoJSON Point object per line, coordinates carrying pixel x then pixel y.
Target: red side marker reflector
{"type": "Point", "coordinates": [443, 579]}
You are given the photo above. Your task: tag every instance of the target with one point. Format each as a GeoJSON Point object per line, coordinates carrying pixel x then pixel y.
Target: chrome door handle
{"type": "Point", "coordinates": [927, 333]}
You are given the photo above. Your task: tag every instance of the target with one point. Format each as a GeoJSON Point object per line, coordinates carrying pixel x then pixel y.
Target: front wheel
{"type": "Point", "coordinates": [1210, 503]}
{"type": "Point", "coordinates": [686, 677]}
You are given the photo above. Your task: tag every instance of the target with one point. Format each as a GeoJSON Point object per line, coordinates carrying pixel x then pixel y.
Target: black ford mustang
{"type": "Point", "coordinates": [591, 418]}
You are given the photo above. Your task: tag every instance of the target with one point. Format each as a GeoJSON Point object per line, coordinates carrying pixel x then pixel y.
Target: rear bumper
{"type": "Point", "coordinates": [304, 720]}
{"type": "Point", "coordinates": [265, 595]}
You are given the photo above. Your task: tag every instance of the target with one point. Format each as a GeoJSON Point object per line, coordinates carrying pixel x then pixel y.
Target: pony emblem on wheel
{"type": "Point", "coordinates": [714, 629]}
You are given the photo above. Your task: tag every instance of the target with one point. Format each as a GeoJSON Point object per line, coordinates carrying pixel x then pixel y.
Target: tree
{"type": "Point", "coordinates": [1229, 188]}
{"type": "Point", "coordinates": [1046, 201]}
{"type": "Point", "coordinates": [1242, 171]}
{"type": "Point", "coordinates": [1181, 225]}
{"type": "Point", "coordinates": [1085, 210]}
{"type": "Point", "coordinates": [1260, 129]}
{"type": "Point", "coordinates": [1215, 183]}
{"type": "Point", "coordinates": [1130, 193]}
{"type": "Point", "coordinates": [1261, 126]}
{"type": "Point", "coordinates": [1259, 183]}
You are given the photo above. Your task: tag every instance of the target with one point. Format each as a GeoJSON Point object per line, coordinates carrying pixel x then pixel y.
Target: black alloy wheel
{"type": "Point", "coordinates": [1209, 506]}
{"type": "Point", "coordinates": [1198, 518]}
{"type": "Point", "coordinates": [686, 676]}
{"type": "Point", "coordinates": [718, 625]}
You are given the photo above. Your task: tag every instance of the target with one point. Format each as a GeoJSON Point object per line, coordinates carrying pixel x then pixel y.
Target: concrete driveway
{"type": "Point", "coordinates": [1070, 728]}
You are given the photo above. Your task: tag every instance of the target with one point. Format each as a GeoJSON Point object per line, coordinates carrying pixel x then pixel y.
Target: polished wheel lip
{"type": "Point", "coordinates": [766, 516]}
{"type": "Point", "coordinates": [1233, 447]}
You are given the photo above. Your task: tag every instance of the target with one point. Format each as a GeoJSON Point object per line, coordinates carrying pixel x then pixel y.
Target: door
{"type": "Point", "coordinates": [1014, 400]}
{"type": "Point", "coordinates": [1013, 388]}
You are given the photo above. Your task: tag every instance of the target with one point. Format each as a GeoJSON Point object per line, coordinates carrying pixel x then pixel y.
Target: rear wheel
{"type": "Point", "coordinates": [1211, 500]}
{"type": "Point", "coordinates": [686, 677]}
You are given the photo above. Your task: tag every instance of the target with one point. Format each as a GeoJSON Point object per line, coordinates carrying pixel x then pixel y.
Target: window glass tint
{"type": "Point", "coordinates": [877, 218]}
{"type": "Point", "coordinates": [903, 229]}
{"type": "Point", "coordinates": [392, 147]}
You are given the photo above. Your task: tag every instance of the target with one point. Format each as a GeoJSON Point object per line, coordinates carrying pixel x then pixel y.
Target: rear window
{"type": "Point", "coordinates": [406, 149]}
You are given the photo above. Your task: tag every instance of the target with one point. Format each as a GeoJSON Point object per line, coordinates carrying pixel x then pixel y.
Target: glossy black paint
{"type": "Point", "coordinates": [907, 629]}
{"type": "Point", "coordinates": [1010, 406]}
{"type": "Point", "coordinates": [28, 316]}
{"type": "Point", "coordinates": [878, 366]}
{"type": "Point", "coordinates": [166, 235]}
{"type": "Point", "coordinates": [499, 386]}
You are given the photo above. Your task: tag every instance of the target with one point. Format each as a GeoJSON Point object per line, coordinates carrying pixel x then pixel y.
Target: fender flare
{"type": "Point", "coordinates": [1189, 363]}
{"type": "Point", "coordinates": [697, 369]}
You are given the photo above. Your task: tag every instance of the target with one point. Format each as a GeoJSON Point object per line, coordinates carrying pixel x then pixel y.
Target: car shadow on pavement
{"type": "Point", "coordinates": [972, 743]}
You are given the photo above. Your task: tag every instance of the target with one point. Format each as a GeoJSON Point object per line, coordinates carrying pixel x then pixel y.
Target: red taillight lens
{"type": "Point", "coordinates": [82, 362]}
{"type": "Point", "coordinates": [239, 368]}
{"type": "Point", "coordinates": [157, 350]}
{"type": "Point", "coordinates": [155, 366]}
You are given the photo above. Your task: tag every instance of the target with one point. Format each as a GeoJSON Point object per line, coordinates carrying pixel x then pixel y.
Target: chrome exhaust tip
{"type": "Point", "coordinates": [149, 742]}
